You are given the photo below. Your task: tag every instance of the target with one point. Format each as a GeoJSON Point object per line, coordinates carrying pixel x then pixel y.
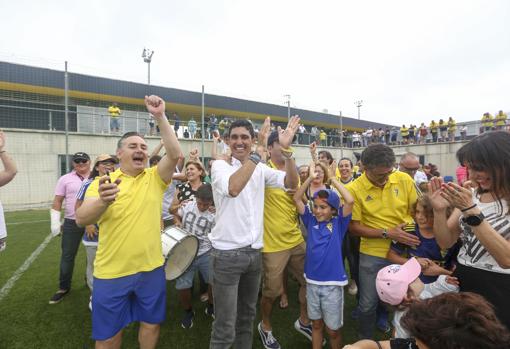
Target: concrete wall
{"type": "Point", "coordinates": [36, 155]}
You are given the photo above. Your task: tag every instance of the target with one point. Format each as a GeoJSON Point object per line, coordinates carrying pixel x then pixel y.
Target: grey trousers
{"type": "Point", "coordinates": [91, 255]}
{"type": "Point", "coordinates": [235, 277]}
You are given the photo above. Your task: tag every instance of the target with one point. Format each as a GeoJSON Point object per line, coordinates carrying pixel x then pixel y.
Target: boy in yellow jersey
{"type": "Point", "coordinates": [129, 280]}
{"type": "Point", "coordinates": [452, 128]}
{"type": "Point", "coordinates": [383, 199]}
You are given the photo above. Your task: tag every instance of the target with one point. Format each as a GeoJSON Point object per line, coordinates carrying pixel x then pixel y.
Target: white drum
{"type": "Point", "coordinates": [179, 250]}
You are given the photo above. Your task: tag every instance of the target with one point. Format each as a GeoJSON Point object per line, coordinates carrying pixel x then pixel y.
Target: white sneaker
{"type": "Point", "coordinates": [352, 288]}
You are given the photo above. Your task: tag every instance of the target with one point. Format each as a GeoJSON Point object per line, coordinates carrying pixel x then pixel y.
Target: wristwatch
{"type": "Point", "coordinates": [474, 220]}
{"type": "Point", "coordinates": [255, 157]}
{"type": "Point", "coordinates": [385, 233]}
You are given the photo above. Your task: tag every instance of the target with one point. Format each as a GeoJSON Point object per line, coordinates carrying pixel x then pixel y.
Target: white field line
{"type": "Point", "coordinates": [26, 222]}
{"type": "Point", "coordinates": [18, 273]}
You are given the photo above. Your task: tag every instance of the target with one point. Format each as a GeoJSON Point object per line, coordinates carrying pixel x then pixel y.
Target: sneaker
{"type": "Point", "coordinates": [305, 330]}
{"type": "Point", "coordinates": [58, 296]}
{"type": "Point", "coordinates": [209, 310]}
{"type": "Point", "coordinates": [382, 325]}
{"type": "Point", "coordinates": [268, 341]}
{"type": "Point", "coordinates": [204, 297]}
{"type": "Point", "coordinates": [187, 319]}
{"type": "Point", "coordinates": [352, 289]}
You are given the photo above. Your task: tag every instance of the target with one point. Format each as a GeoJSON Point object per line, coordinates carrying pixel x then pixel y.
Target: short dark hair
{"type": "Point", "coordinates": [376, 155]}
{"type": "Point", "coordinates": [456, 320]}
{"type": "Point", "coordinates": [490, 152]}
{"type": "Point", "coordinates": [327, 154]}
{"type": "Point", "coordinates": [347, 159]}
{"type": "Point", "coordinates": [127, 135]}
{"type": "Point", "coordinates": [242, 123]}
{"type": "Point", "coordinates": [204, 192]}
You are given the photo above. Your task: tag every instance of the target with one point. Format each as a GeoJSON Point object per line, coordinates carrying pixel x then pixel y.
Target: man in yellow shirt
{"type": "Point", "coordinates": [114, 112]}
{"type": "Point", "coordinates": [284, 247]}
{"type": "Point", "coordinates": [383, 199]}
{"type": "Point", "coordinates": [404, 132]}
{"type": "Point", "coordinates": [129, 279]}
{"type": "Point", "coordinates": [452, 128]}
{"type": "Point", "coordinates": [433, 130]}
{"type": "Point", "coordinates": [487, 122]}
{"type": "Point", "coordinates": [501, 120]}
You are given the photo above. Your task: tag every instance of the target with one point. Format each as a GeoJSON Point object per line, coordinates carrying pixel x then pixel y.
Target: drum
{"type": "Point", "coordinates": [179, 250]}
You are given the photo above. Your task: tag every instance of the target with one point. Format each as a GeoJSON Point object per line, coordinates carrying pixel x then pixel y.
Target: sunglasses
{"type": "Point", "coordinates": [80, 161]}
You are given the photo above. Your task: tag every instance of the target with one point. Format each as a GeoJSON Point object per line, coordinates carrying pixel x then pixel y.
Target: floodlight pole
{"type": "Point", "coordinates": [359, 104]}
{"type": "Point", "coordinates": [288, 106]}
{"type": "Point", "coordinates": [66, 115]}
{"type": "Point", "coordinates": [147, 58]}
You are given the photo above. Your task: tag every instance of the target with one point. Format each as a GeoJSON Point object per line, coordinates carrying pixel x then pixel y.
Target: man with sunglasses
{"type": "Point", "coordinates": [383, 198]}
{"type": "Point", "coordinates": [65, 193]}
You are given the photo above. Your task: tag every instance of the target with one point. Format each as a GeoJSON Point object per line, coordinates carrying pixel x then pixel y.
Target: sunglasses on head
{"type": "Point", "coordinates": [80, 161]}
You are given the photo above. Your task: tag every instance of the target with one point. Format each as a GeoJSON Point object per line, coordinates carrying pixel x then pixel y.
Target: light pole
{"type": "Point", "coordinates": [288, 105]}
{"type": "Point", "coordinates": [359, 104]}
{"type": "Point", "coordinates": [147, 58]}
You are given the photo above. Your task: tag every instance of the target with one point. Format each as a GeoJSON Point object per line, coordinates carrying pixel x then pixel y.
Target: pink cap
{"type": "Point", "coordinates": [393, 281]}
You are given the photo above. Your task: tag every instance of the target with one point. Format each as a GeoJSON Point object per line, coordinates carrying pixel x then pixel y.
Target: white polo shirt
{"type": "Point", "coordinates": [240, 220]}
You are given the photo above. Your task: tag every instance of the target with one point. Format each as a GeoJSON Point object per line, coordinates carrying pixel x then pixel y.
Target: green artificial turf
{"type": "Point", "coordinates": [28, 321]}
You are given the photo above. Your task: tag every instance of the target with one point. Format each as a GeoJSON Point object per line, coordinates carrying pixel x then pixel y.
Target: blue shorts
{"type": "Point", "coordinates": [120, 301]}
{"type": "Point", "coordinates": [325, 302]}
{"type": "Point", "coordinates": [200, 264]}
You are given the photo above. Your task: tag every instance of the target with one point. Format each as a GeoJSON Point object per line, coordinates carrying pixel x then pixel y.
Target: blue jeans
{"type": "Point", "coordinates": [369, 266]}
{"type": "Point", "coordinates": [71, 238]}
{"type": "Point", "coordinates": [235, 278]}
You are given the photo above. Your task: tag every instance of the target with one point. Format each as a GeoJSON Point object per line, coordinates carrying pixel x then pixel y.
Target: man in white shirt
{"type": "Point", "coordinates": [236, 238]}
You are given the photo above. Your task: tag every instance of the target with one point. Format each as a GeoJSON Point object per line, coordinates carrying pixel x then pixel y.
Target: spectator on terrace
{"type": "Point", "coordinates": [487, 122]}
{"type": "Point", "coordinates": [452, 127]}
{"type": "Point", "coordinates": [443, 129]}
{"type": "Point", "coordinates": [501, 120]}
{"type": "Point", "coordinates": [434, 128]}
{"type": "Point", "coordinates": [114, 112]}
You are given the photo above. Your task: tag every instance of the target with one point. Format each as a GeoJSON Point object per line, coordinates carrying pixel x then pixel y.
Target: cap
{"type": "Point", "coordinates": [333, 199]}
{"type": "Point", "coordinates": [81, 156]}
{"type": "Point", "coordinates": [105, 157]}
{"type": "Point", "coordinates": [393, 281]}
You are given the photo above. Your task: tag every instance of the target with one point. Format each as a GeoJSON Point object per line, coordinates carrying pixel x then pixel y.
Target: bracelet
{"type": "Point", "coordinates": [468, 208]}
{"type": "Point", "coordinates": [287, 156]}
{"type": "Point", "coordinates": [287, 150]}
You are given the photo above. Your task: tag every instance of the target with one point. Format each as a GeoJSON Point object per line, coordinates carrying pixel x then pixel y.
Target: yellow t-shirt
{"type": "Point", "coordinates": [322, 136]}
{"type": "Point", "coordinates": [114, 111]}
{"type": "Point", "coordinates": [433, 127]}
{"type": "Point", "coordinates": [381, 208]}
{"type": "Point", "coordinates": [281, 225]}
{"type": "Point", "coordinates": [130, 228]}
{"type": "Point", "coordinates": [487, 120]}
{"type": "Point", "coordinates": [404, 131]}
{"type": "Point", "coordinates": [452, 126]}
{"type": "Point", "coordinates": [501, 119]}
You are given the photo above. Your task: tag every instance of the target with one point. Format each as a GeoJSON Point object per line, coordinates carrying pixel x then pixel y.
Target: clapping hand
{"type": "Point", "coordinates": [286, 136]}
{"type": "Point", "coordinates": [457, 196]}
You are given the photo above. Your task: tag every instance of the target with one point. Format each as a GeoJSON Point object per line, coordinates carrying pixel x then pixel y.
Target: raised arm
{"type": "Point", "coordinates": [348, 200]}
{"type": "Point", "coordinates": [157, 149]}
{"type": "Point", "coordinates": [10, 169]}
{"type": "Point", "coordinates": [446, 230]}
{"type": "Point", "coordinates": [166, 167]}
{"type": "Point", "coordinates": [285, 139]}
{"type": "Point", "coordinates": [298, 195]}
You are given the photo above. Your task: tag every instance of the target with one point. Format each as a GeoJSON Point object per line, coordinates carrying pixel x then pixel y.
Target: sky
{"type": "Point", "coordinates": [408, 61]}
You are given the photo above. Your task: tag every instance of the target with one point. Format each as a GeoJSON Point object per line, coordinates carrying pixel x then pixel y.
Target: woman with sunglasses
{"type": "Point", "coordinates": [481, 219]}
{"type": "Point", "coordinates": [103, 165]}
